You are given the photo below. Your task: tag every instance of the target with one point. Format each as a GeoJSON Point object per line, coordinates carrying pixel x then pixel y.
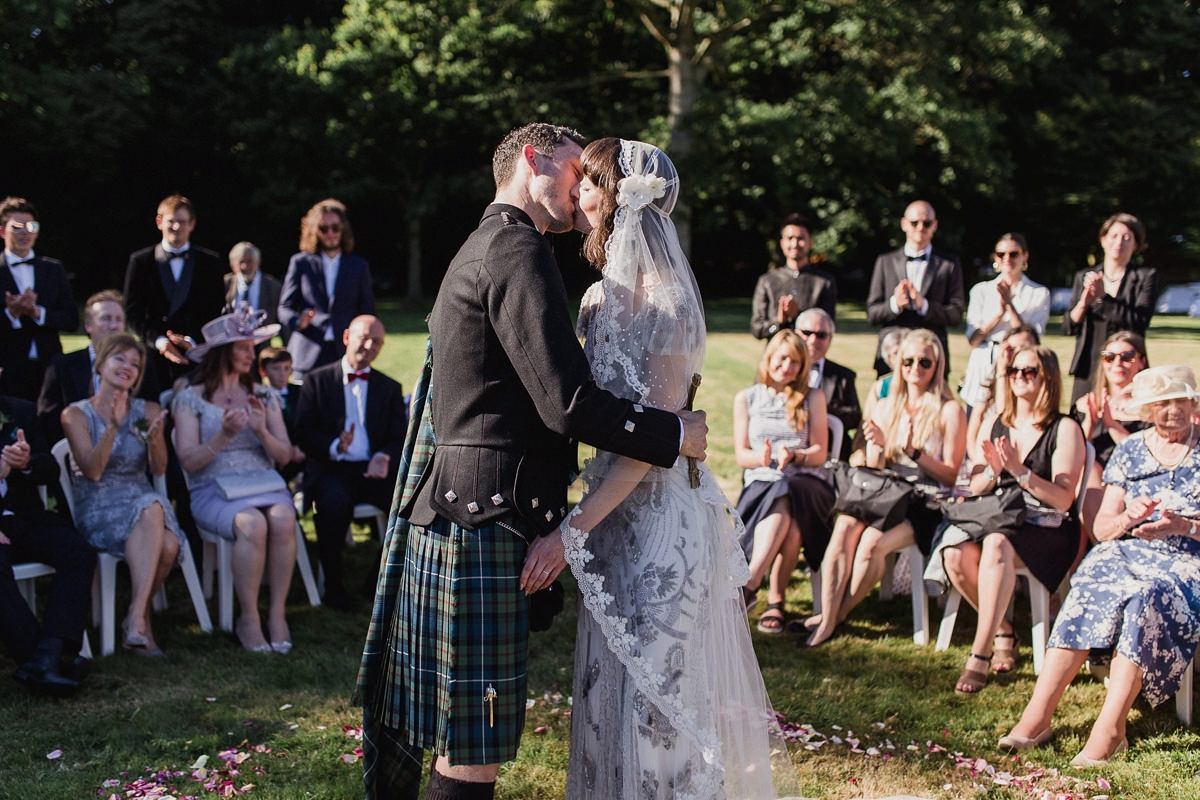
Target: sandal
{"type": "Point", "coordinates": [972, 680]}
{"type": "Point", "coordinates": [774, 623]}
{"type": "Point", "coordinates": [1005, 659]}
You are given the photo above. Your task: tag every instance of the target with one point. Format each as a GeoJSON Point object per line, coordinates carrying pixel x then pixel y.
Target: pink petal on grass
{"type": "Point", "coordinates": [53, 754]}
{"type": "Point", "coordinates": [1103, 784]}
{"type": "Point", "coordinates": [540, 729]}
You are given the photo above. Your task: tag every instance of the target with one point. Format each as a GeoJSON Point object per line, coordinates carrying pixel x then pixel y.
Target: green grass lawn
{"type": "Point", "coordinates": [881, 712]}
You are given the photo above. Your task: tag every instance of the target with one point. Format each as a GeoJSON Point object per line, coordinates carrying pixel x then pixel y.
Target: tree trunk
{"type": "Point", "coordinates": [413, 289]}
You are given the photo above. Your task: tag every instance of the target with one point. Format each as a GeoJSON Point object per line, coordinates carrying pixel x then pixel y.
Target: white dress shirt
{"type": "Point", "coordinates": [331, 266]}
{"type": "Point", "coordinates": [22, 275]}
{"type": "Point", "coordinates": [914, 269]}
{"type": "Point", "coordinates": [355, 394]}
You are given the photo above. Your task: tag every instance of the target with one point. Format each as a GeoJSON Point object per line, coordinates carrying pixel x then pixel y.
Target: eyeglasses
{"type": "Point", "coordinates": [922, 223]}
{"type": "Point", "coordinates": [329, 228]}
{"type": "Point", "coordinates": [33, 226]}
{"type": "Point", "coordinates": [1126, 357]}
{"type": "Point", "coordinates": [1001, 255]}
{"type": "Point", "coordinates": [1026, 373]}
{"type": "Point", "coordinates": [923, 363]}
{"type": "Point", "coordinates": [820, 335]}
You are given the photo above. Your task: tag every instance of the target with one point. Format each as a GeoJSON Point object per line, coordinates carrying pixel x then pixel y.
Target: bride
{"type": "Point", "coordinates": [668, 698]}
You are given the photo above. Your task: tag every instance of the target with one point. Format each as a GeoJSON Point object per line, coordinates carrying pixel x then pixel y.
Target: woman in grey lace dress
{"type": "Point", "coordinates": [113, 437]}
{"type": "Point", "coordinates": [229, 437]}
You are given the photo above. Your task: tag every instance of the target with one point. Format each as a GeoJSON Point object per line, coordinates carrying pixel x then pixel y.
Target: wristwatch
{"type": "Point", "coordinates": [1023, 478]}
{"type": "Point", "coordinates": [1192, 530]}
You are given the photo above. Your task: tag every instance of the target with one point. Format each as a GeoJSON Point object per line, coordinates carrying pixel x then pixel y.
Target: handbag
{"type": "Point", "coordinates": [877, 497]}
{"type": "Point", "coordinates": [1001, 510]}
{"type": "Point", "coordinates": [235, 487]}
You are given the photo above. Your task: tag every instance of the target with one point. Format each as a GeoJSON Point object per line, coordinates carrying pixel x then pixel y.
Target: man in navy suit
{"type": "Point", "coordinates": [171, 290]}
{"type": "Point", "coordinates": [37, 303]}
{"type": "Point", "coordinates": [916, 286]}
{"type": "Point", "coordinates": [325, 287]}
{"type": "Point", "coordinates": [351, 422]}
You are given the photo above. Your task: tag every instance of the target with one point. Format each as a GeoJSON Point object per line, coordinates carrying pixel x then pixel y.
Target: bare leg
{"type": "Point", "coordinates": [281, 559]}
{"type": "Point", "coordinates": [768, 537]}
{"type": "Point", "coordinates": [783, 566]}
{"type": "Point", "coordinates": [1124, 683]}
{"type": "Point", "coordinates": [835, 574]}
{"type": "Point", "coordinates": [1059, 669]}
{"type": "Point", "coordinates": [472, 773]}
{"type": "Point", "coordinates": [870, 561]}
{"type": "Point", "coordinates": [249, 555]}
{"type": "Point", "coordinates": [963, 568]}
{"type": "Point", "coordinates": [142, 555]}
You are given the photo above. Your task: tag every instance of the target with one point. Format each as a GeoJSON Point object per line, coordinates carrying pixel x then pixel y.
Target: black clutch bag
{"type": "Point", "coordinates": [877, 497]}
{"type": "Point", "coordinates": [999, 511]}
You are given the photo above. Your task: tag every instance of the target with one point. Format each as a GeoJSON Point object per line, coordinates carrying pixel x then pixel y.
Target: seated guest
{"type": "Point", "coordinates": [275, 365]}
{"type": "Point", "coordinates": [28, 532]}
{"type": "Point", "coordinates": [837, 382]}
{"type": "Point", "coordinates": [351, 422]}
{"type": "Point", "coordinates": [70, 376]}
{"type": "Point", "coordinates": [979, 426]}
{"type": "Point", "coordinates": [1136, 590]}
{"type": "Point", "coordinates": [1102, 412]}
{"type": "Point", "coordinates": [113, 436]}
{"type": "Point", "coordinates": [1033, 446]}
{"type": "Point", "coordinates": [918, 430]}
{"type": "Point", "coordinates": [780, 438]}
{"type": "Point", "coordinates": [229, 438]}
{"type": "Point", "coordinates": [889, 351]}
{"type": "Point", "coordinates": [246, 283]}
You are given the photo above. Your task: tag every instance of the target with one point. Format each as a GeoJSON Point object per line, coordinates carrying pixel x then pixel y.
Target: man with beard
{"type": "Point", "coordinates": [783, 292]}
{"type": "Point", "coordinates": [326, 286]}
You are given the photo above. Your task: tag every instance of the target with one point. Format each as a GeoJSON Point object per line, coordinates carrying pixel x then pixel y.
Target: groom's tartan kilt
{"type": "Point", "coordinates": [449, 627]}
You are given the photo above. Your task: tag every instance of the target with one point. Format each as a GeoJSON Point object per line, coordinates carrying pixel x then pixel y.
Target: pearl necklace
{"type": "Point", "coordinates": [1186, 451]}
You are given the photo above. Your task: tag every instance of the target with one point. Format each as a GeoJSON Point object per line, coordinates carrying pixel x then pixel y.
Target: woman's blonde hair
{"type": "Point", "coordinates": [795, 393]}
{"type": "Point", "coordinates": [119, 343]}
{"type": "Point", "coordinates": [928, 418]}
{"type": "Point", "coordinates": [1045, 405]}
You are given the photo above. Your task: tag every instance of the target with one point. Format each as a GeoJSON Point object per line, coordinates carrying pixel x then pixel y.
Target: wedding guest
{"type": "Point", "coordinates": [114, 435]}
{"type": "Point", "coordinates": [1103, 411]}
{"type": "Point", "coordinates": [995, 307]}
{"type": "Point", "coordinates": [1034, 447]}
{"type": "Point", "coordinates": [784, 291]}
{"type": "Point", "coordinates": [980, 423]}
{"type": "Point", "coordinates": [38, 304]}
{"type": "Point", "coordinates": [780, 438]}
{"type": "Point", "coordinates": [1117, 297]}
{"type": "Point", "coordinates": [1136, 590]}
{"type": "Point", "coordinates": [816, 327]}
{"type": "Point", "coordinates": [246, 283]}
{"type": "Point", "coordinates": [229, 436]}
{"type": "Point", "coordinates": [918, 430]}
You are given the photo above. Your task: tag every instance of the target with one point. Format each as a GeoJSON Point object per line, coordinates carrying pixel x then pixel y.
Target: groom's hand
{"type": "Point", "coordinates": [695, 434]}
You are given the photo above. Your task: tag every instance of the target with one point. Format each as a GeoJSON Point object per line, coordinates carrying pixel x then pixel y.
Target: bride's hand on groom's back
{"type": "Point", "coordinates": [695, 434]}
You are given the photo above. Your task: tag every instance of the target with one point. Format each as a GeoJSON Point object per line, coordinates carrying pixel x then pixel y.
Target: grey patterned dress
{"type": "Point", "coordinates": [106, 510]}
{"type": "Point", "coordinates": [1141, 597]}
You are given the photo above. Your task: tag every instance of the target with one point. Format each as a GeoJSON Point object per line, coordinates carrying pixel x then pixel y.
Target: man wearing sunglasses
{"type": "Point", "coordinates": [836, 381]}
{"type": "Point", "coordinates": [171, 289]}
{"type": "Point", "coordinates": [916, 286]}
{"type": "Point", "coordinates": [785, 291]}
{"type": "Point", "coordinates": [37, 303]}
{"type": "Point", "coordinates": [326, 286]}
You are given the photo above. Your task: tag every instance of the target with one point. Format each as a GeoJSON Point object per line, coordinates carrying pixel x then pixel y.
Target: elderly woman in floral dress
{"type": "Point", "coordinates": [1139, 589]}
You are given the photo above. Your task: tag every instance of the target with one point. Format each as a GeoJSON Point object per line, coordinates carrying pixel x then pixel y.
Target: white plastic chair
{"type": "Point", "coordinates": [836, 431]}
{"type": "Point", "coordinates": [1183, 698]}
{"type": "Point", "coordinates": [26, 575]}
{"type": "Point", "coordinates": [104, 587]}
{"type": "Point", "coordinates": [218, 558]}
{"type": "Point", "coordinates": [1039, 597]}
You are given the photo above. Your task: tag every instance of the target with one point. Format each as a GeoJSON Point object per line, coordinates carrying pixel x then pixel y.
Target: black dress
{"type": "Point", "coordinates": [1047, 550]}
{"type": "Point", "coordinates": [1103, 441]}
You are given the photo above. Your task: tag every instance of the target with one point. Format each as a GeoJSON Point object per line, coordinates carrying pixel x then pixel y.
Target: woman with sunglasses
{"type": "Point", "coordinates": [980, 423]}
{"type": "Point", "coordinates": [918, 430]}
{"type": "Point", "coordinates": [1032, 446]}
{"type": "Point", "coordinates": [1117, 297]}
{"type": "Point", "coordinates": [997, 306]}
{"type": "Point", "coordinates": [781, 436]}
{"type": "Point", "coordinates": [1103, 412]}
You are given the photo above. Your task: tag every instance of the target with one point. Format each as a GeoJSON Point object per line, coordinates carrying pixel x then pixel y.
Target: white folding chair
{"type": "Point", "coordinates": [104, 587]}
{"type": "Point", "coordinates": [1039, 597]}
{"type": "Point", "coordinates": [1183, 698]}
{"type": "Point", "coordinates": [26, 575]}
{"type": "Point", "coordinates": [836, 431]}
{"type": "Point", "coordinates": [920, 604]}
{"type": "Point", "coordinates": [218, 558]}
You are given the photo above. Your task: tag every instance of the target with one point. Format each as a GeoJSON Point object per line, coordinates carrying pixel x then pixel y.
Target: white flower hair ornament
{"type": "Point", "coordinates": [638, 191]}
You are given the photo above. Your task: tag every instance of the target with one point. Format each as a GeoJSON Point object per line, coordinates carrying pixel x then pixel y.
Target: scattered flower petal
{"type": "Point", "coordinates": [53, 754]}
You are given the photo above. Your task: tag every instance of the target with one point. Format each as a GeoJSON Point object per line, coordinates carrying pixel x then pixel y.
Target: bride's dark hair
{"type": "Point", "coordinates": [601, 164]}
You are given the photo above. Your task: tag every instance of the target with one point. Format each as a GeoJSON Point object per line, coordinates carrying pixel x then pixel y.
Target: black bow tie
{"type": "Point", "coordinates": [923, 256]}
{"type": "Point", "coordinates": [22, 261]}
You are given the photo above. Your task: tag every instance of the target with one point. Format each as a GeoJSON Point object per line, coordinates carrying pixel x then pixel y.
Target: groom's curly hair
{"type": "Point", "coordinates": [601, 162]}
{"type": "Point", "coordinates": [544, 137]}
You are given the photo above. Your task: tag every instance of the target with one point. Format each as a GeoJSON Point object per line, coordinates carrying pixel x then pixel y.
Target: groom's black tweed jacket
{"type": "Point", "coordinates": [512, 391]}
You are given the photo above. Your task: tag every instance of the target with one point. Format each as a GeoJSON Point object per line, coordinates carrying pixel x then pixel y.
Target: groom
{"type": "Point", "coordinates": [512, 392]}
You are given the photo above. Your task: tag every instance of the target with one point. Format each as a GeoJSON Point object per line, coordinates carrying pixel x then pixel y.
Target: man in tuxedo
{"type": "Point", "coordinates": [171, 290]}
{"type": "Point", "coordinates": [916, 286]}
{"type": "Point", "coordinates": [351, 422]}
{"type": "Point", "coordinates": [37, 303]}
{"type": "Point", "coordinates": [783, 292]}
{"type": "Point", "coordinates": [325, 287]}
{"type": "Point", "coordinates": [28, 532]}
{"type": "Point", "coordinates": [70, 377]}
{"type": "Point", "coordinates": [512, 391]}
{"type": "Point", "coordinates": [835, 381]}
{"type": "Point", "coordinates": [246, 283]}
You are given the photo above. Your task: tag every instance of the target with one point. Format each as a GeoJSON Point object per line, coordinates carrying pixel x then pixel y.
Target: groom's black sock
{"type": "Point", "coordinates": [442, 788]}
